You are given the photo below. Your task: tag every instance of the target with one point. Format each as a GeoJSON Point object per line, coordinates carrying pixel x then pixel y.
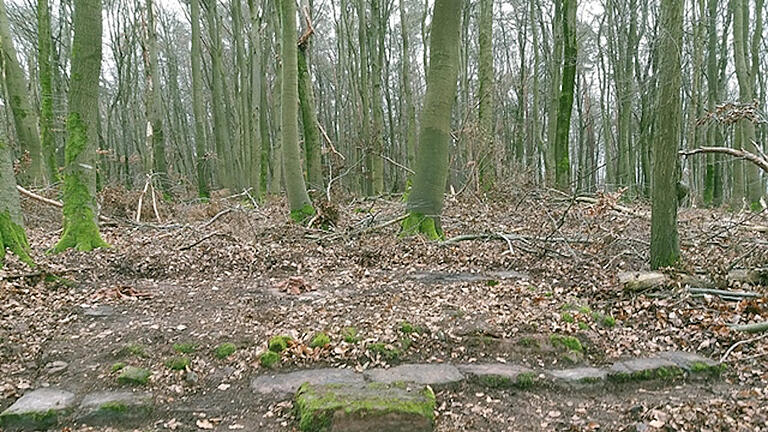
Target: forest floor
{"type": "Point", "coordinates": [224, 271]}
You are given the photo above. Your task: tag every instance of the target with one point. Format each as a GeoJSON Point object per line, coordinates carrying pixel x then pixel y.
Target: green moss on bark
{"type": "Point", "coordinates": [13, 238]}
{"type": "Point", "coordinates": [80, 229]}
{"type": "Point", "coordinates": [417, 223]}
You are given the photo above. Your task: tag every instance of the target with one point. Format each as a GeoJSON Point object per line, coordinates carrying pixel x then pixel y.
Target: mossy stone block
{"type": "Point", "coordinates": [37, 410]}
{"type": "Point", "coordinates": [365, 407]}
{"type": "Point", "coordinates": [110, 408]}
{"type": "Point", "coordinates": [643, 369]}
{"type": "Point", "coordinates": [133, 375]}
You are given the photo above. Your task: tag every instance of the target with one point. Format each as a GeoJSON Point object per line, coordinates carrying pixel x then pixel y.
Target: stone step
{"type": "Point", "coordinates": [364, 407]}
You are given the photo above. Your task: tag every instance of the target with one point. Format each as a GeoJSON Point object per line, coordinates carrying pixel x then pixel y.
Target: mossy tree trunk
{"type": "Point", "coordinates": [80, 210]}
{"type": "Point", "coordinates": [45, 71]}
{"type": "Point", "coordinates": [221, 134]}
{"type": "Point", "coordinates": [713, 184]}
{"type": "Point", "coordinates": [376, 38]}
{"type": "Point", "coordinates": [485, 76]}
{"type": "Point", "coordinates": [24, 117]}
{"type": "Point", "coordinates": [257, 107]}
{"type": "Point", "coordinates": [12, 234]}
{"type": "Point", "coordinates": [665, 249]}
{"type": "Point", "coordinates": [203, 171]}
{"type": "Point", "coordinates": [562, 158]}
{"type": "Point", "coordinates": [425, 203]}
{"type": "Point", "coordinates": [296, 189]}
{"type": "Point", "coordinates": [309, 119]}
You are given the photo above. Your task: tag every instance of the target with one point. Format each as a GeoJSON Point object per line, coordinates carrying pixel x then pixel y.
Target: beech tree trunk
{"type": "Point", "coordinates": [24, 117]}
{"type": "Point", "coordinates": [301, 206]}
{"type": "Point", "coordinates": [425, 202]}
{"type": "Point", "coordinates": [665, 249]}
{"type": "Point", "coordinates": [12, 234]}
{"type": "Point", "coordinates": [80, 210]}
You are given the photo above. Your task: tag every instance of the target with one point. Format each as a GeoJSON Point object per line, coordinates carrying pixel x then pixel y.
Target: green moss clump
{"type": "Point", "coordinates": [320, 340]}
{"type": "Point", "coordinates": [135, 350]}
{"type": "Point", "coordinates": [417, 223]}
{"type": "Point", "coordinates": [177, 363]}
{"type": "Point", "coordinates": [525, 380]}
{"type": "Point", "coordinates": [405, 343]}
{"type": "Point", "coordinates": [279, 344]}
{"type": "Point", "coordinates": [569, 343]}
{"type": "Point", "coordinates": [585, 310]}
{"type": "Point", "coordinates": [117, 366]}
{"type": "Point", "coordinates": [350, 335]}
{"type": "Point", "coordinates": [225, 350]}
{"type": "Point", "coordinates": [608, 321]}
{"type": "Point", "coordinates": [567, 317]}
{"type": "Point", "coordinates": [408, 328]}
{"type": "Point", "coordinates": [583, 326]}
{"type": "Point", "coordinates": [491, 283]}
{"type": "Point", "coordinates": [269, 359]}
{"type": "Point", "coordinates": [114, 407]}
{"type": "Point", "coordinates": [302, 214]}
{"type": "Point", "coordinates": [528, 342]}
{"type": "Point", "coordinates": [495, 381]}
{"type": "Point", "coordinates": [384, 351]}
{"type": "Point", "coordinates": [185, 347]}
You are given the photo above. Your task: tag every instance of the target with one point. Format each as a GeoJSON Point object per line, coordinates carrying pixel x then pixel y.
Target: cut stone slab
{"type": "Point", "coordinates": [288, 383]}
{"type": "Point", "coordinates": [365, 407]}
{"type": "Point", "coordinates": [104, 408]}
{"type": "Point", "coordinates": [578, 377]}
{"type": "Point", "coordinates": [692, 363]}
{"type": "Point", "coordinates": [429, 374]}
{"type": "Point", "coordinates": [500, 374]}
{"type": "Point", "coordinates": [37, 410]}
{"type": "Point", "coordinates": [644, 369]}
{"type": "Point", "coordinates": [133, 375]}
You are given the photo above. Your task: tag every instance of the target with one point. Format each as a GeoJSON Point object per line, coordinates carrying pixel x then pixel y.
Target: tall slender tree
{"type": "Point", "coordinates": [296, 189]}
{"type": "Point", "coordinates": [203, 172]}
{"type": "Point", "coordinates": [562, 158]}
{"type": "Point", "coordinates": [81, 230]}
{"type": "Point", "coordinates": [24, 117]}
{"type": "Point", "coordinates": [45, 72]}
{"type": "Point", "coordinates": [425, 202]}
{"type": "Point", "coordinates": [486, 92]}
{"type": "Point", "coordinates": [155, 133]}
{"type": "Point", "coordinates": [665, 249]}
{"type": "Point", "coordinates": [309, 122]}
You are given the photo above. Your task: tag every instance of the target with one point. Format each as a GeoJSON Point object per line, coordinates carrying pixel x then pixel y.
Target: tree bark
{"type": "Point", "coordinates": [425, 203]}
{"type": "Point", "coordinates": [562, 157]}
{"type": "Point", "coordinates": [485, 77]}
{"type": "Point", "coordinates": [665, 249]}
{"type": "Point", "coordinates": [301, 206]}
{"type": "Point", "coordinates": [80, 210]}
{"type": "Point", "coordinates": [12, 234]}
{"type": "Point", "coordinates": [45, 71]}
{"type": "Point", "coordinates": [24, 117]}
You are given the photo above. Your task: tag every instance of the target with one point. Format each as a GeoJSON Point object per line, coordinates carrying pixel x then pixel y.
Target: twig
{"type": "Point", "coordinates": [328, 140]}
{"type": "Point", "coordinates": [191, 245]}
{"type": "Point", "coordinates": [40, 198]}
{"type": "Point", "coordinates": [751, 328]}
{"type": "Point", "coordinates": [755, 159]}
{"type": "Point", "coordinates": [734, 346]}
{"type": "Point", "coordinates": [723, 293]}
{"type": "Point", "coordinates": [141, 199]}
{"type": "Point", "coordinates": [390, 160]}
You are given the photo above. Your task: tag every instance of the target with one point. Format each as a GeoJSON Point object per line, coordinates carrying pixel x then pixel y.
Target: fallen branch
{"type": "Point", "coordinates": [191, 245]}
{"type": "Point", "coordinates": [616, 207]}
{"type": "Point", "coordinates": [649, 280]}
{"type": "Point", "coordinates": [723, 293]}
{"type": "Point", "coordinates": [52, 202]}
{"type": "Point", "coordinates": [755, 159]}
{"type": "Point", "coordinates": [751, 328]}
{"type": "Point", "coordinates": [739, 343]}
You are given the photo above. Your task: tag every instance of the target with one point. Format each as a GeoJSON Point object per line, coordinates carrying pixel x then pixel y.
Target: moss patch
{"type": "Point", "coordinates": [117, 367]}
{"type": "Point", "coordinates": [417, 223]}
{"type": "Point", "coordinates": [225, 350]}
{"type": "Point", "coordinates": [568, 343]}
{"type": "Point", "coordinates": [177, 363]}
{"type": "Point", "coordinates": [279, 344]}
{"type": "Point", "coordinates": [320, 340]}
{"type": "Point", "coordinates": [385, 351]}
{"type": "Point", "coordinates": [269, 359]}
{"type": "Point", "coordinates": [14, 238]}
{"type": "Point", "coordinates": [135, 350]}
{"type": "Point", "coordinates": [302, 214]}
{"type": "Point", "coordinates": [185, 347]}
{"type": "Point", "coordinates": [37, 420]}
{"type": "Point", "coordinates": [132, 375]}
{"type": "Point", "coordinates": [350, 335]}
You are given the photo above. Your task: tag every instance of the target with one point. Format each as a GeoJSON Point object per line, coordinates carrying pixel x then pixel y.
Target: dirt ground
{"type": "Point", "coordinates": [220, 272]}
